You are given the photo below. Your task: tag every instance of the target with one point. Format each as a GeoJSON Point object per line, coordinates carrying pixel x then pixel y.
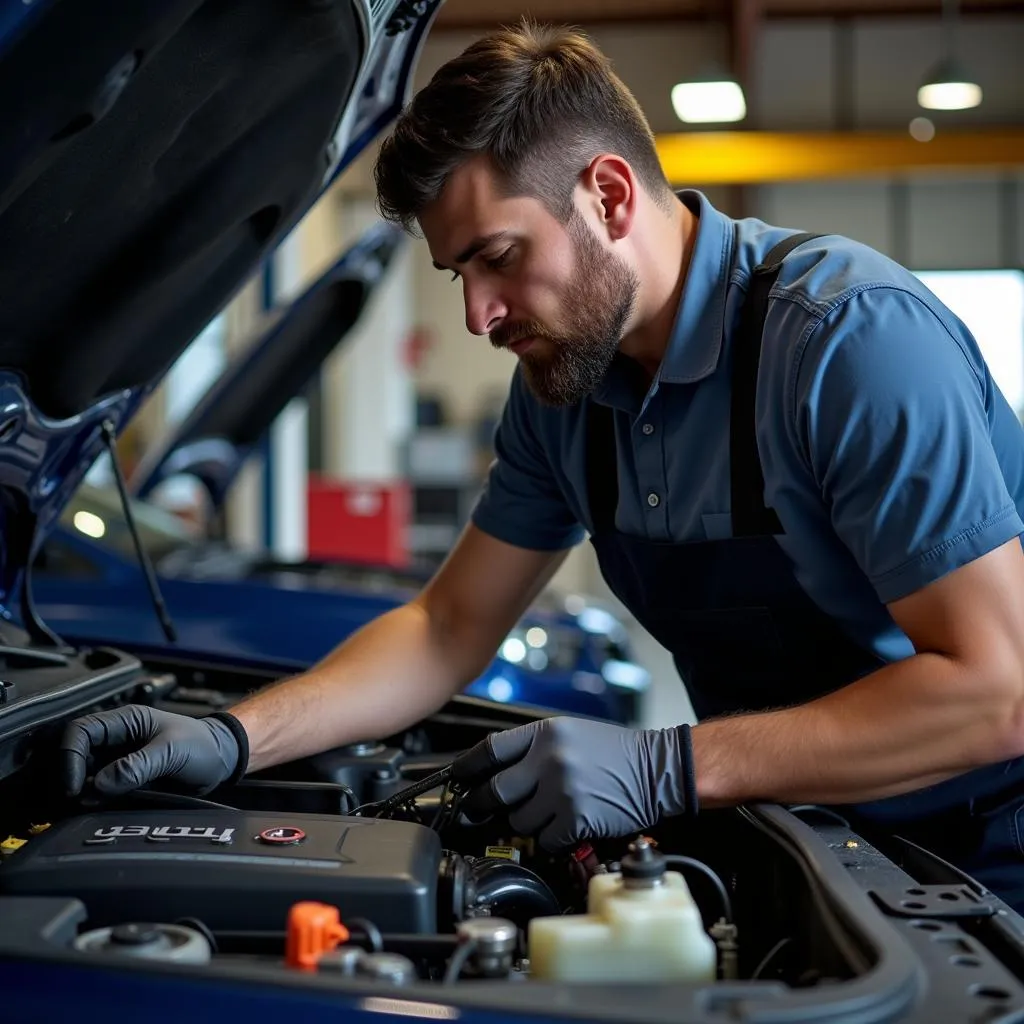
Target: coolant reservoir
{"type": "Point", "coordinates": [640, 925]}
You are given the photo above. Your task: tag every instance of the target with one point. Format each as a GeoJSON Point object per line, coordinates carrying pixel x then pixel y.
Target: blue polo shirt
{"type": "Point", "coordinates": [888, 452]}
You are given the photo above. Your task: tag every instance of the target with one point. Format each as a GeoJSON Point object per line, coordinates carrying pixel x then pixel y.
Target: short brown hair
{"type": "Point", "coordinates": [540, 103]}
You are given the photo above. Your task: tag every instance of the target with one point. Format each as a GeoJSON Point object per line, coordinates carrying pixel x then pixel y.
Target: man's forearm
{"type": "Point", "coordinates": [906, 726]}
{"type": "Point", "coordinates": [383, 678]}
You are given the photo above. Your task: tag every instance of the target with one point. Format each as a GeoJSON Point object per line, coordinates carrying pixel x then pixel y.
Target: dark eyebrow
{"type": "Point", "coordinates": [473, 248]}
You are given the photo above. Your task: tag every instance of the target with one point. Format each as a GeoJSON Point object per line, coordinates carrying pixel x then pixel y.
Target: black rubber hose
{"type": "Point", "coordinates": [512, 891]}
{"type": "Point", "coordinates": [369, 930]}
{"type": "Point", "coordinates": [684, 863]}
{"type": "Point", "coordinates": [458, 961]}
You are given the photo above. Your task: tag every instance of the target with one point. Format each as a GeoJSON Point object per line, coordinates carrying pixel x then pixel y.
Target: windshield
{"type": "Point", "coordinates": [96, 512]}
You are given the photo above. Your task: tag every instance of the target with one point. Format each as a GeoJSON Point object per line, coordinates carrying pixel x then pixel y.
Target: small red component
{"type": "Point", "coordinates": [313, 929]}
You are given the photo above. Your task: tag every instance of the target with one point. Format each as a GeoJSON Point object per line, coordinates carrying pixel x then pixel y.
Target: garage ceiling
{"type": "Point", "coordinates": [473, 14]}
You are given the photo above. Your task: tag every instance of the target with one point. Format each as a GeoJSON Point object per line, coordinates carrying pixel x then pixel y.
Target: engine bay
{"type": "Point", "coordinates": [354, 868]}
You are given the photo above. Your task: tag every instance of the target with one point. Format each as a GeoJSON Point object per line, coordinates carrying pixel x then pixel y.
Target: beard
{"type": "Point", "coordinates": [572, 359]}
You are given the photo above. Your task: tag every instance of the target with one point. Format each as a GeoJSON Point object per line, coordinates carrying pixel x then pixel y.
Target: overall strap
{"type": "Point", "coordinates": [750, 516]}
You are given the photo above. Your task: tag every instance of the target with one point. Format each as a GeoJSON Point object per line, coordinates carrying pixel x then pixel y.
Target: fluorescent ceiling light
{"type": "Point", "coordinates": [709, 102]}
{"type": "Point", "coordinates": [949, 87]}
{"type": "Point", "coordinates": [949, 95]}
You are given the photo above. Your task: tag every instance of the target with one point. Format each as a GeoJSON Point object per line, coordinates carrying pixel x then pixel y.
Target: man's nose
{"type": "Point", "coordinates": [484, 309]}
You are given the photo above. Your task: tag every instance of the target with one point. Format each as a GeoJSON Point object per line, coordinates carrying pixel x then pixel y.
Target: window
{"type": "Point", "coordinates": [991, 304]}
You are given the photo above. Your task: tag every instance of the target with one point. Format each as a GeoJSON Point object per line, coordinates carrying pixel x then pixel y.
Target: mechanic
{"type": "Point", "coordinates": [819, 519]}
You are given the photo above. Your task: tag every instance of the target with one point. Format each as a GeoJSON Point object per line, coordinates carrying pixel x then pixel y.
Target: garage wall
{"type": "Point", "coordinates": [939, 222]}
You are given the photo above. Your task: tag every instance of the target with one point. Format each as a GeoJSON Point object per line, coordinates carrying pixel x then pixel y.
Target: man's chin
{"type": "Point", "coordinates": [552, 393]}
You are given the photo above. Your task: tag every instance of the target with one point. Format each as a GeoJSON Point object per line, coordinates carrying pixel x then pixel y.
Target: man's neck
{"type": "Point", "coordinates": [663, 266]}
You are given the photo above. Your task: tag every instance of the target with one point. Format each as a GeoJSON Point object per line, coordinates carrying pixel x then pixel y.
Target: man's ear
{"type": "Point", "coordinates": [610, 189]}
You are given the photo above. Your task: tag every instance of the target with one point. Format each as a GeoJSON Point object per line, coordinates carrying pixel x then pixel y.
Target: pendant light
{"type": "Point", "coordinates": [949, 86]}
{"type": "Point", "coordinates": [713, 95]}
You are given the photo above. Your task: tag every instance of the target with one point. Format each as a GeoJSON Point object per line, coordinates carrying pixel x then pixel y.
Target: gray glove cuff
{"type": "Point", "coordinates": [234, 727]}
{"type": "Point", "coordinates": [671, 773]}
{"type": "Point", "coordinates": [689, 771]}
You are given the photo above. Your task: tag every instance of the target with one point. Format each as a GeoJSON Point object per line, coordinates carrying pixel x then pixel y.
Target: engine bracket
{"type": "Point", "coordinates": [949, 901]}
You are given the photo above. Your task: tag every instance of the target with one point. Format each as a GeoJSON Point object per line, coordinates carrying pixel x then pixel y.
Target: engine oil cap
{"type": "Point", "coordinates": [643, 866]}
{"type": "Point", "coordinates": [281, 835]}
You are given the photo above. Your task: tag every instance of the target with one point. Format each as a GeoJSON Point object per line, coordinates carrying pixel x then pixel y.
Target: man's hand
{"type": "Point", "coordinates": [139, 745]}
{"type": "Point", "coordinates": [571, 779]}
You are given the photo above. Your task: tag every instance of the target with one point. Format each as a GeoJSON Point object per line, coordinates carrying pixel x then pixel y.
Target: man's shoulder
{"type": "Point", "coordinates": [833, 287]}
{"type": "Point", "coordinates": [828, 270]}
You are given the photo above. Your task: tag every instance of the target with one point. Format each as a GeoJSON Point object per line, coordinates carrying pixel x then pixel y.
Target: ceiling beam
{"type": "Point", "coordinates": [744, 25]}
{"type": "Point", "coordinates": [481, 15]}
{"type": "Point", "coordinates": [751, 158]}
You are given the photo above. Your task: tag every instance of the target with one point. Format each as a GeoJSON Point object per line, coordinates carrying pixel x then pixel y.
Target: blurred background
{"type": "Point", "coordinates": [897, 122]}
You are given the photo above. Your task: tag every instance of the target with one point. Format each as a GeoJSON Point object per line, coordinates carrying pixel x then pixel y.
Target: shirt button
{"type": "Point", "coordinates": [648, 429]}
{"type": "Point", "coordinates": [653, 500]}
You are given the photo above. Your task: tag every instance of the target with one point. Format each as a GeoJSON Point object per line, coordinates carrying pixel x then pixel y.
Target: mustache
{"type": "Point", "coordinates": [509, 334]}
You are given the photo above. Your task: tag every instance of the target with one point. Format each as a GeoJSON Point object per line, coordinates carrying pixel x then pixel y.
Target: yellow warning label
{"type": "Point", "coordinates": [502, 853]}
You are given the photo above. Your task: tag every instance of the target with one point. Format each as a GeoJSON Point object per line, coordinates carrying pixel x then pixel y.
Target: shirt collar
{"type": "Point", "coordinates": [695, 344]}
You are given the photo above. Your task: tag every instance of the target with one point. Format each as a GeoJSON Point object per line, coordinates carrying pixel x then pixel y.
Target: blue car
{"type": "Point", "coordinates": [153, 155]}
{"type": "Point", "coordinates": [568, 655]}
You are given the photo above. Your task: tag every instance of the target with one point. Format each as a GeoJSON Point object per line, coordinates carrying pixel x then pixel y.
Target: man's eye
{"type": "Point", "coordinates": [497, 262]}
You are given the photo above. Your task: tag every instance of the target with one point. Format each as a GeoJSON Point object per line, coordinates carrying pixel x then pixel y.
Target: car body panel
{"type": "Point", "coordinates": [138, 170]}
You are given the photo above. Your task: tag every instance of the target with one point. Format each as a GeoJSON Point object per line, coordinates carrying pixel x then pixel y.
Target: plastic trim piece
{"type": "Point", "coordinates": [943, 901]}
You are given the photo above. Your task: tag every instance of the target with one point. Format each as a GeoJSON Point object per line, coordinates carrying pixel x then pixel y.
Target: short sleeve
{"type": "Point", "coordinates": [522, 502]}
{"type": "Point", "coordinates": [892, 404]}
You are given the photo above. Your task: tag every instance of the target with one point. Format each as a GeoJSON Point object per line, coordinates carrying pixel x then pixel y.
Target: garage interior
{"type": "Point", "coordinates": [245, 419]}
{"type": "Point", "coordinates": [397, 423]}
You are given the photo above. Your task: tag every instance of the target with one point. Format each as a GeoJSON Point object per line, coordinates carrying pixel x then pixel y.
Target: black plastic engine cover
{"type": "Point", "coordinates": [236, 871]}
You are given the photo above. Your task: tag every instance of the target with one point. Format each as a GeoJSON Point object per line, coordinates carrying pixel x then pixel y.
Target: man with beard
{"type": "Point", "coordinates": [792, 462]}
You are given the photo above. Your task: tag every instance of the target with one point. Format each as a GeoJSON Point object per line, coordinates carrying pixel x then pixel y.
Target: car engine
{"type": "Point", "coordinates": [354, 867]}
{"type": "Point", "coordinates": [239, 872]}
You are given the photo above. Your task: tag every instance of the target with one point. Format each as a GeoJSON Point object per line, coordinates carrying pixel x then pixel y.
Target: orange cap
{"type": "Point", "coordinates": [313, 929]}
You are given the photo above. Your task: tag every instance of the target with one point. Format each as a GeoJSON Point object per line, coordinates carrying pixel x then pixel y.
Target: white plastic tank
{"type": "Point", "coordinates": [642, 924]}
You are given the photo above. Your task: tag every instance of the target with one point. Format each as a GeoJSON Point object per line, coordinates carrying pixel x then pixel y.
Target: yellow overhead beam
{"type": "Point", "coordinates": [748, 158]}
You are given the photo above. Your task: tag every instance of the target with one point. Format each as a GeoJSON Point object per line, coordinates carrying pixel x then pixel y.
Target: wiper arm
{"type": "Point", "coordinates": [147, 566]}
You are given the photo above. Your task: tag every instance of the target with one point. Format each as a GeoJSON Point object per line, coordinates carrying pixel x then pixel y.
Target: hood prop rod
{"type": "Point", "coordinates": [144, 561]}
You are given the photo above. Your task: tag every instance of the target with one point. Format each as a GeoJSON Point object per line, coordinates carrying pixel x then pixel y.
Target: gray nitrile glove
{"type": "Point", "coordinates": [139, 745]}
{"type": "Point", "coordinates": [566, 780]}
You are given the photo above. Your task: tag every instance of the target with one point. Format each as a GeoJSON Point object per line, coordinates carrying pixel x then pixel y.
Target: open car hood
{"type": "Point", "coordinates": [153, 155]}
{"type": "Point", "coordinates": [215, 439]}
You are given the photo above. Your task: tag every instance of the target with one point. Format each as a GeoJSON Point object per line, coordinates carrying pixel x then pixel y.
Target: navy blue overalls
{"type": "Point", "coordinates": [746, 637]}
